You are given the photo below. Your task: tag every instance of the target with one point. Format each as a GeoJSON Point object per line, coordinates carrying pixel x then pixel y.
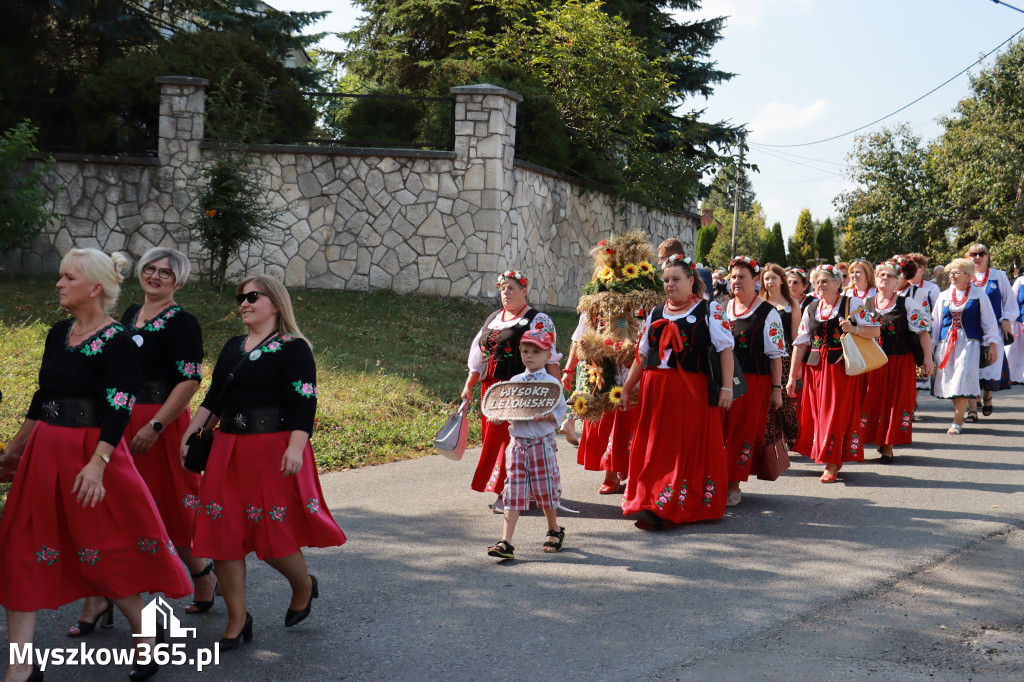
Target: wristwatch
{"type": "Point", "coordinates": [157, 426]}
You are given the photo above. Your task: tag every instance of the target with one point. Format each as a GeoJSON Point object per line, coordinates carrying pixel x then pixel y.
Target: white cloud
{"type": "Point", "coordinates": [750, 13]}
{"type": "Point", "coordinates": [776, 117]}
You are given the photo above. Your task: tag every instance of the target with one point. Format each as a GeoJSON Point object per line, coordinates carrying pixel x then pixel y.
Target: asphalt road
{"type": "Point", "coordinates": [909, 571]}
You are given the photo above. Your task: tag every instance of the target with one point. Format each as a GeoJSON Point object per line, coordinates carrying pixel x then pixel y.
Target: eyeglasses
{"type": "Point", "coordinates": [162, 273]}
{"type": "Point", "coordinates": [250, 297]}
{"type": "Point", "coordinates": [977, 254]}
{"type": "Point", "coordinates": [954, 273]}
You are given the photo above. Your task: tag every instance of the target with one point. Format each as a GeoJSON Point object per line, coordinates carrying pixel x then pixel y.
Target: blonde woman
{"type": "Point", "coordinates": [79, 520]}
{"type": "Point", "coordinates": [260, 491]}
{"type": "Point", "coordinates": [862, 280]}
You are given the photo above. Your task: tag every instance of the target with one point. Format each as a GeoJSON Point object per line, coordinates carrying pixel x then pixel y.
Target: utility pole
{"type": "Point", "coordinates": [736, 201]}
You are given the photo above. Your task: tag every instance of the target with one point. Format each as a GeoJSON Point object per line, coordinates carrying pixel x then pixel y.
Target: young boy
{"type": "Point", "coordinates": [530, 459]}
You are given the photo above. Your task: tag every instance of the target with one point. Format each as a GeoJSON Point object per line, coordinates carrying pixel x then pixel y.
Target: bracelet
{"type": "Point", "coordinates": [105, 458]}
{"type": "Point", "coordinates": [778, 386]}
{"type": "Point", "coordinates": [726, 389]}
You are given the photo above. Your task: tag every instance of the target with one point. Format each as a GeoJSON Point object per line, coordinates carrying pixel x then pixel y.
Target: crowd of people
{"type": "Point", "coordinates": [101, 507]}
{"type": "Point", "coordinates": [678, 455]}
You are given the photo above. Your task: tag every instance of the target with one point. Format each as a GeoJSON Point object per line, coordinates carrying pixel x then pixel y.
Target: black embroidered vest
{"type": "Point", "coordinates": [502, 345]}
{"type": "Point", "coordinates": [749, 334]}
{"type": "Point", "coordinates": [695, 335]}
{"type": "Point", "coordinates": [825, 335]}
{"type": "Point", "coordinates": [897, 337]}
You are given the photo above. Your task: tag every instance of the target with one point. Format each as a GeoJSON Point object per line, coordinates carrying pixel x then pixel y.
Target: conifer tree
{"type": "Point", "coordinates": [801, 244]}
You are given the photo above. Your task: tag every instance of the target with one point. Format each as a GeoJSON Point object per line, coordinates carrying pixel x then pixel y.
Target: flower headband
{"type": "Point", "coordinates": [678, 259]}
{"type": "Point", "coordinates": [511, 275]}
{"type": "Point", "coordinates": [797, 271]}
{"type": "Point", "coordinates": [746, 260]}
{"type": "Point", "coordinates": [832, 271]}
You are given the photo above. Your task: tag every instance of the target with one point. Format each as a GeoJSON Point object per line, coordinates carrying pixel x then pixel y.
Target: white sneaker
{"type": "Point", "coordinates": [733, 499]}
{"type": "Point", "coordinates": [499, 506]}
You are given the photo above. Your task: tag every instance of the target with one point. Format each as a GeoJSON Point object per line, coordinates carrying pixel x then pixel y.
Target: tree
{"type": "Point", "coordinates": [775, 252]}
{"type": "Point", "coordinates": [705, 240]}
{"type": "Point", "coordinates": [890, 204]}
{"type": "Point", "coordinates": [592, 70]}
{"type": "Point", "coordinates": [801, 244]}
{"type": "Point", "coordinates": [721, 193]}
{"type": "Point", "coordinates": [25, 197]}
{"type": "Point", "coordinates": [752, 237]}
{"type": "Point", "coordinates": [826, 242]}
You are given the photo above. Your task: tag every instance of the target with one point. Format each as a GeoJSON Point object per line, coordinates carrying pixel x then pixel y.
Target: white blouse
{"type": "Point", "coordinates": [718, 326]}
{"type": "Point", "coordinates": [918, 318]}
{"type": "Point", "coordinates": [477, 362]}
{"type": "Point", "coordinates": [774, 338]}
{"type": "Point", "coordinates": [1009, 301]}
{"type": "Point", "coordinates": [861, 319]}
{"type": "Point", "coordinates": [990, 332]}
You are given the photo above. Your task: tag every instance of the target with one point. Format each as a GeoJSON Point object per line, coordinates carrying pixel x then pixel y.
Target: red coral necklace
{"type": "Point", "coordinates": [514, 316]}
{"type": "Point", "coordinates": [747, 310]}
{"type": "Point", "coordinates": [967, 294]}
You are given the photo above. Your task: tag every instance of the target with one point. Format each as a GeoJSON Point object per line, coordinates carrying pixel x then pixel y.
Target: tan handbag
{"type": "Point", "coordinates": [861, 355]}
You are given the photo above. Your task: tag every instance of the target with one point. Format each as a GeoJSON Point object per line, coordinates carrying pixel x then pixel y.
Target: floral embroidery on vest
{"type": "Point", "coordinates": [305, 389]}
{"type": "Point", "coordinates": [160, 321]}
{"type": "Point", "coordinates": [88, 556]}
{"type": "Point", "coordinates": [49, 555]}
{"type": "Point", "coordinates": [120, 400]}
{"type": "Point", "coordinates": [95, 347]}
{"type": "Point", "coordinates": [190, 370]}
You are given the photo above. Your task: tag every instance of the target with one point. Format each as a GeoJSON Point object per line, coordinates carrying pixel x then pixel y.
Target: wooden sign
{"type": "Point", "coordinates": [520, 400]}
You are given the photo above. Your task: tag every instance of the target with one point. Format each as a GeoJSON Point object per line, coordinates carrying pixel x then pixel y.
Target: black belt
{"type": "Point", "coordinates": [154, 392]}
{"type": "Point", "coordinates": [270, 420]}
{"type": "Point", "coordinates": [76, 412]}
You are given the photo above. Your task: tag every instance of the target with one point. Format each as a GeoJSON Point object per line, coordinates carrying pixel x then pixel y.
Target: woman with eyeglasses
{"type": "Point", "coordinates": [965, 331]}
{"type": "Point", "coordinates": [996, 286]}
{"type": "Point", "coordinates": [260, 491]}
{"type": "Point", "coordinates": [79, 520]}
{"type": "Point", "coordinates": [832, 424]}
{"type": "Point", "coordinates": [891, 394]}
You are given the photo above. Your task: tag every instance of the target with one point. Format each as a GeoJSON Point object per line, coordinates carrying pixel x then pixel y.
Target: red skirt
{"type": "Point", "coordinates": [604, 446]}
{"type": "Point", "coordinates": [832, 423]}
{"type": "Point", "coordinates": [55, 551]}
{"type": "Point", "coordinates": [677, 466]}
{"type": "Point", "coordinates": [744, 427]}
{"type": "Point", "coordinates": [889, 401]}
{"type": "Point", "coordinates": [175, 490]}
{"type": "Point", "coordinates": [490, 470]}
{"type": "Point", "coordinates": [246, 504]}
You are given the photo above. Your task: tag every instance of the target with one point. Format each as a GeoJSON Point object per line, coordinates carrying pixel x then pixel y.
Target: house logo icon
{"type": "Point", "coordinates": [158, 614]}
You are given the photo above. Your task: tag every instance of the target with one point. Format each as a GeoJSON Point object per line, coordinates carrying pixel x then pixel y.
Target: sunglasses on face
{"type": "Point", "coordinates": [250, 297]}
{"type": "Point", "coordinates": [162, 273]}
{"type": "Point", "coordinates": [977, 254]}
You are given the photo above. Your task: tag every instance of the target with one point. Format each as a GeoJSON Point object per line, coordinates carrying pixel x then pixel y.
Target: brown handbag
{"type": "Point", "coordinates": [774, 456]}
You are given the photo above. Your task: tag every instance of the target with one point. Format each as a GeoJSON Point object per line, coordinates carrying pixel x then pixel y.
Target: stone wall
{"type": "Point", "coordinates": [441, 223]}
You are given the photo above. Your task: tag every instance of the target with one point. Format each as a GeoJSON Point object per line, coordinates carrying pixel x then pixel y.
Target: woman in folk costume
{"type": "Point", "coordinates": [862, 280]}
{"type": "Point", "coordinates": [625, 285]}
{"type": "Point", "coordinates": [677, 467]}
{"type": "Point", "coordinates": [996, 285]}
{"type": "Point", "coordinates": [891, 394]}
{"type": "Point", "coordinates": [79, 520]}
{"type": "Point", "coordinates": [775, 289]}
{"type": "Point", "coordinates": [799, 287]}
{"type": "Point", "coordinates": [1015, 351]}
{"type": "Point", "coordinates": [966, 335]}
{"type": "Point", "coordinates": [832, 424]}
{"type": "Point", "coordinates": [493, 357]}
{"type": "Point", "coordinates": [760, 347]}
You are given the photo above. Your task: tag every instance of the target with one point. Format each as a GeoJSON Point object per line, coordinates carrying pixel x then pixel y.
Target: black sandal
{"type": "Point", "coordinates": [105, 620]}
{"type": "Point", "coordinates": [551, 546]}
{"type": "Point", "coordinates": [986, 408]}
{"type": "Point", "coordinates": [196, 606]}
{"type": "Point", "coordinates": [502, 549]}
{"type": "Point", "coordinates": [972, 417]}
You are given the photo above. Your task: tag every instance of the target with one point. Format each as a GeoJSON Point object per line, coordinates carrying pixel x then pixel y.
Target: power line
{"type": "Point", "coordinates": [1006, 4]}
{"type": "Point", "coordinates": [806, 158]}
{"type": "Point", "coordinates": [889, 115]}
{"type": "Point", "coordinates": [798, 163]}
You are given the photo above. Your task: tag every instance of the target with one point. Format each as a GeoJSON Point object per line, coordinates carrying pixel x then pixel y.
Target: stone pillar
{"type": "Point", "coordinates": [182, 128]}
{"type": "Point", "coordinates": [485, 139]}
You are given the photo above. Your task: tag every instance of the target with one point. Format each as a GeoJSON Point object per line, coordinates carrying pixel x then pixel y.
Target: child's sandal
{"type": "Point", "coordinates": [551, 545]}
{"type": "Point", "coordinates": [502, 549]}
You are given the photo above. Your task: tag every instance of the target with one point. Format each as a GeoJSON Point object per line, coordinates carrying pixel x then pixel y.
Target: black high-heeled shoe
{"type": "Point", "coordinates": [105, 620]}
{"type": "Point", "coordinates": [141, 672]}
{"type": "Point", "coordinates": [202, 606]}
{"type": "Point", "coordinates": [229, 643]}
{"type": "Point", "coordinates": [295, 617]}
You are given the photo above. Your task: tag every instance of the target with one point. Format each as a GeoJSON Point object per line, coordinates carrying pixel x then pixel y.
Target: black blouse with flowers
{"type": "Point", "coordinates": [172, 345]}
{"type": "Point", "coordinates": [106, 367]}
{"type": "Point", "coordinates": [280, 374]}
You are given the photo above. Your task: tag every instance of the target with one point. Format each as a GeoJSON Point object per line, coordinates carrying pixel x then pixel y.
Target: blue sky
{"type": "Point", "coordinates": [811, 69]}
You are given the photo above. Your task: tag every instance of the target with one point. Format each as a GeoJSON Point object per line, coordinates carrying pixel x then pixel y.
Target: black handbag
{"type": "Point", "coordinates": [201, 442]}
{"type": "Point", "coordinates": [714, 364]}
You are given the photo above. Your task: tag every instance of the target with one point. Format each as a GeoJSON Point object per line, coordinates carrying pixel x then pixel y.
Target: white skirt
{"type": "Point", "coordinates": [1015, 354]}
{"type": "Point", "coordinates": [995, 371]}
{"type": "Point", "coordinates": [959, 378]}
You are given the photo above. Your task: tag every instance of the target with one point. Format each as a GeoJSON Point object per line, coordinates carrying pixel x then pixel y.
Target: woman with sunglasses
{"type": "Point", "coordinates": [891, 394]}
{"type": "Point", "coordinates": [260, 491]}
{"type": "Point", "coordinates": [799, 287]}
{"type": "Point", "coordinates": [996, 286]}
{"type": "Point", "coordinates": [964, 326]}
{"type": "Point", "coordinates": [832, 424]}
